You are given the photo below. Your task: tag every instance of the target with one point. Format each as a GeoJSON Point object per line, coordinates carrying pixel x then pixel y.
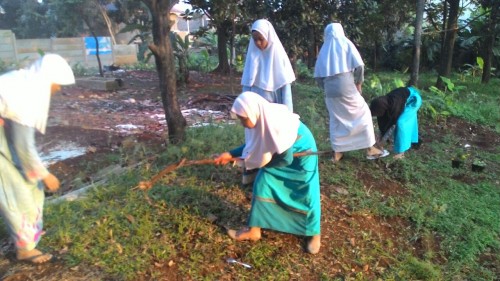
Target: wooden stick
{"type": "Point", "coordinates": [145, 185]}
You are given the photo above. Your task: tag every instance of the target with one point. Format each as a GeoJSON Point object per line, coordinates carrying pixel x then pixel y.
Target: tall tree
{"type": "Point", "coordinates": [300, 26]}
{"type": "Point", "coordinates": [450, 34]}
{"type": "Point", "coordinates": [63, 11]}
{"type": "Point", "coordinates": [27, 19]}
{"type": "Point", "coordinates": [417, 43]}
{"type": "Point", "coordinates": [374, 25]}
{"type": "Point", "coordinates": [165, 66]}
{"type": "Point", "coordinates": [222, 15]}
{"type": "Point", "coordinates": [491, 34]}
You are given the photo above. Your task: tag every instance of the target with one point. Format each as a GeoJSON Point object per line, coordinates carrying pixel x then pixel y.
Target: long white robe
{"type": "Point", "coordinates": [351, 124]}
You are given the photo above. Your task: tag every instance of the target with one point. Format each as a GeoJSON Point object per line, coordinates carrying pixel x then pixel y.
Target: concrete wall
{"type": "Point", "coordinates": [8, 46]}
{"type": "Point", "coordinates": [22, 51]}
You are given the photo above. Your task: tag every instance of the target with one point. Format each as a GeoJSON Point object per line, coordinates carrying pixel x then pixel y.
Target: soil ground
{"type": "Point", "coordinates": [91, 123]}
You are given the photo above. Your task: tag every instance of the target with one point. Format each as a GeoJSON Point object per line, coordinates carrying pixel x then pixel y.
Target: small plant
{"type": "Point", "coordinates": [479, 162]}
{"type": "Point", "coordinates": [461, 155]}
{"type": "Point", "coordinates": [181, 52]}
{"type": "Point", "coordinates": [459, 158]}
{"type": "Point", "coordinates": [79, 69]}
{"type": "Point", "coordinates": [442, 103]}
{"type": "Point", "coordinates": [478, 165]}
{"type": "Point", "coordinates": [376, 86]}
{"type": "Point", "coordinates": [303, 71]}
{"type": "Point", "coordinates": [473, 71]}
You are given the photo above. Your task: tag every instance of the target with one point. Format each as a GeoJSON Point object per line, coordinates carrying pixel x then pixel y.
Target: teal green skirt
{"type": "Point", "coordinates": [287, 199]}
{"type": "Point", "coordinates": [406, 131]}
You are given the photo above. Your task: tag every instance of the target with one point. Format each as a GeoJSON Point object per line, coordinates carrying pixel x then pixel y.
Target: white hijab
{"type": "Point", "coordinates": [275, 128]}
{"type": "Point", "coordinates": [269, 69]}
{"type": "Point", "coordinates": [25, 94]}
{"type": "Point", "coordinates": [338, 54]}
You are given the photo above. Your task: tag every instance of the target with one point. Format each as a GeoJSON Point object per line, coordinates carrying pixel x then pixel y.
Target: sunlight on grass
{"type": "Point", "coordinates": [450, 216]}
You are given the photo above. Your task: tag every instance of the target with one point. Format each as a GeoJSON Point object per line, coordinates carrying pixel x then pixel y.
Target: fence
{"type": "Point", "coordinates": [76, 50]}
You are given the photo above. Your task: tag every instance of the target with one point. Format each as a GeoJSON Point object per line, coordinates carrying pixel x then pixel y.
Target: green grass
{"type": "Point", "coordinates": [454, 224]}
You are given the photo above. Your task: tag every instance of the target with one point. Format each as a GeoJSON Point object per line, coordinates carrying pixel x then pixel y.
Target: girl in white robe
{"type": "Point", "coordinates": [268, 71]}
{"type": "Point", "coordinates": [24, 104]}
{"type": "Point", "coordinates": [339, 72]}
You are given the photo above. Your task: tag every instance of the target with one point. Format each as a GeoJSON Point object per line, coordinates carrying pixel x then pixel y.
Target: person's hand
{"type": "Point", "coordinates": [359, 88]}
{"type": "Point", "coordinates": [51, 183]}
{"type": "Point", "coordinates": [239, 163]}
{"type": "Point", "coordinates": [223, 158]}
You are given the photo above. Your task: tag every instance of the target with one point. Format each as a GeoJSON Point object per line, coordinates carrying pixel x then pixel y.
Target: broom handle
{"type": "Point", "coordinates": [184, 162]}
{"type": "Point", "coordinates": [212, 161]}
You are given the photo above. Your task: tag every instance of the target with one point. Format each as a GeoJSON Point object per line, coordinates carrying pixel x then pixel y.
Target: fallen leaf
{"type": "Point", "coordinates": [119, 247]}
{"type": "Point", "coordinates": [130, 218]}
{"type": "Point", "coordinates": [212, 218]}
{"type": "Point", "coordinates": [63, 250]}
{"type": "Point", "coordinates": [341, 190]}
{"type": "Point", "coordinates": [353, 241]}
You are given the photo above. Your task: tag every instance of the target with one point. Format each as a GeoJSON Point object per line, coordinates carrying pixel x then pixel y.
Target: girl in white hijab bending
{"type": "Point", "coordinates": [268, 71]}
{"type": "Point", "coordinates": [286, 190]}
{"type": "Point", "coordinates": [339, 72]}
{"type": "Point", "coordinates": [273, 131]}
{"type": "Point", "coordinates": [24, 104]}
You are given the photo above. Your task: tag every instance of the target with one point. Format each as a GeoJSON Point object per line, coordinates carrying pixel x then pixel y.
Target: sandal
{"type": "Point", "coordinates": [377, 156]}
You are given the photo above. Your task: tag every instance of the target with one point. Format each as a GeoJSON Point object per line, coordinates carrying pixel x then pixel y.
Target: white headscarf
{"type": "Point", "coordinates": [338, 54]}
{"type": "Point", "coordinates": [275, 128]}
{"type": "Point", "coordinates": [268, 69]}
{"type": "Point", "coordinates": [25, 94]}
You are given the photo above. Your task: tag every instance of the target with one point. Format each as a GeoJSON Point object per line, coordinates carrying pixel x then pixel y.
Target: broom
{"type": "Point", "coordinates": [145, 185]}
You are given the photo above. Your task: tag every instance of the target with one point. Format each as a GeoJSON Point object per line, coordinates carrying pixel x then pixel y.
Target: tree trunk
{"type": "Point", "coordinates": [311, 48]}
{"type": "Point", "coordinates": [222, 37]}
{"type": "Point", "coordinates": [449, 42]}
{"type": "Point", "coordinates": [91, 28]}
{"type": "Point", "coordinates": [490, 42]}
{"type": "Point", "coordinates": [417, 43]}
{"type": "Point", "coordinates": [165, 65]}
{"type": "Point", "coordinates": [375, 56]}
{"type": "Point", "coordinates": [233, 52]}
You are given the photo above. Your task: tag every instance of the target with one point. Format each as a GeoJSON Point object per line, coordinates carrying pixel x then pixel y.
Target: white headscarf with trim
{"type": "Point", "coordinates": [268, 69]}
{"type": "Point", "coordinates": [275, 128]}
{"type": "Point", "coordinates": [337, 54]}
{"type": "Point", "coordinates": [25, 94]}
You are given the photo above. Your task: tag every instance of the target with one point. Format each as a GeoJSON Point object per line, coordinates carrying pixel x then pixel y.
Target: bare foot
{"type": "Point", "coordinates": [372, 151]}
{"type": "Point", "coordinates": [252, 233]}
{"type": "Point", "coordinates": [337, 156]}
{"type": "Point", "coordinates": [33, 256]}
{"type": "Point", "coordinates": [314, 244]}
{"type": "Point", "coordinates": [399, 156]}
